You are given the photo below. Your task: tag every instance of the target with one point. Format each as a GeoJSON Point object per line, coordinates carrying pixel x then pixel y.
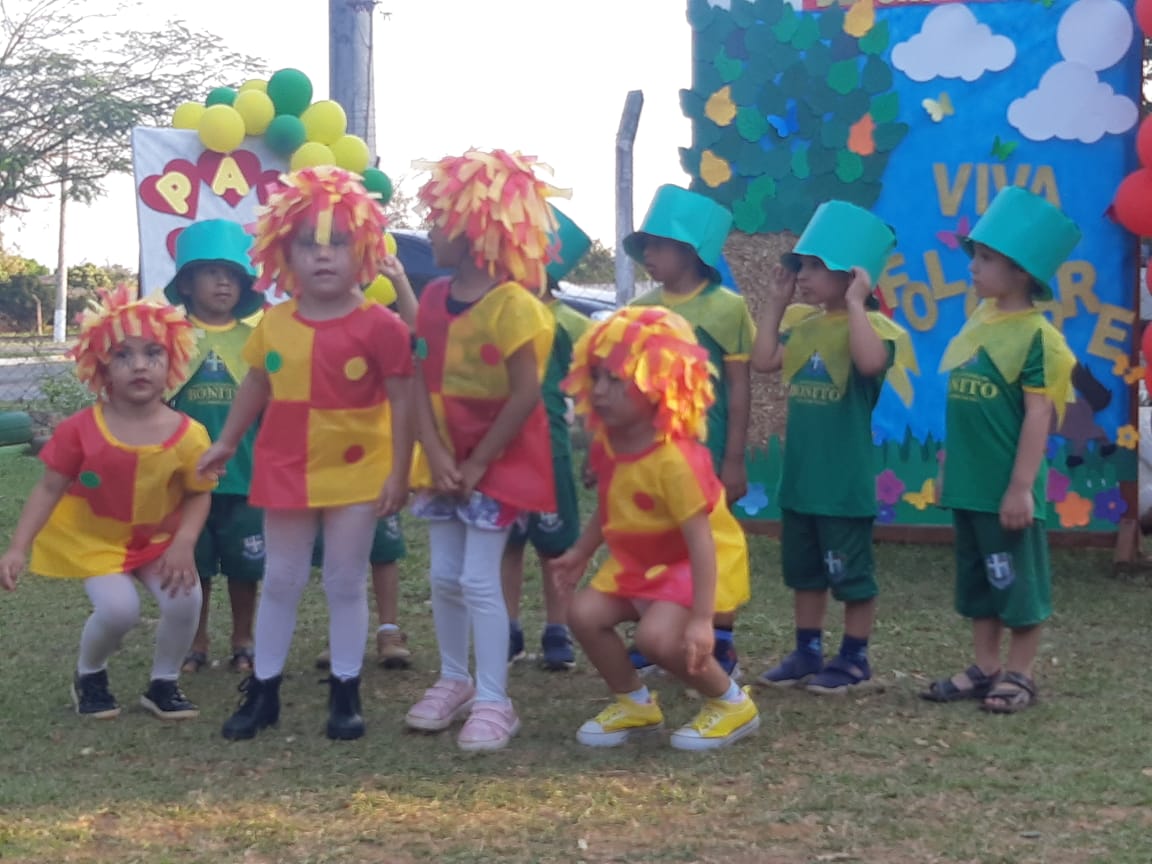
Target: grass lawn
{"type": "Point", "coordinates": [881, 777]}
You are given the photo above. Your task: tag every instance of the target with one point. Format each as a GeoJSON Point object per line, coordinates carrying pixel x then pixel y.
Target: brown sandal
{"type": "Point", "coordinates": [194, 661]}
{"type": "Point", "coordinates": [241, 660]}
{"type": "Point", "coordinates": [1013, 693]}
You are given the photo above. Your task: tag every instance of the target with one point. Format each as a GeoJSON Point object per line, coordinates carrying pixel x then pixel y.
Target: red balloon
{"type": "Point", "coordinates": [1144, 16]}
{"type": "Point", "coordinates": [1144, 139]}
{"type": "Point", "coordinates": [1133, 202]}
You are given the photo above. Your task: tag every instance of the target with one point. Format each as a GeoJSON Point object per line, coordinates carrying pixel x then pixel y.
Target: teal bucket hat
{"type": "Point", "coordinates": [216, 240]}
{"type": "Point", "coordinates": [569, 243]}
{"type": "Point", "coordinates": [844, 236]}
{"type": "Point", "coordinates": [677, 214]}
{"type": "Point", "coordinates": [1025, 228]}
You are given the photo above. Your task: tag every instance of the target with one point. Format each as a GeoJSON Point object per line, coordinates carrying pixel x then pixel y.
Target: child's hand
{"type": "Point", "coordinates": [734, 476]}
{"type": "Point", "coordinates": [587, 475]}
{"type": "Point", "coordinates": [860, 288]}
{"type": "Point", "coordinates": [393, 268]}
{"type": "Point", "coordinates": [781, 286]}
{"type": "Point", "coordinates": [442, 467]}
{"type": "Point", "coordinates": [699, 640]}
{"type": "Point", "coordinates": [178, 569]}
{"type": "Point", "coordinates": [1016, 509]}
{"type": "Point", "coordinates": [567, 570]}
{"type": "Point", "coordinates": [471, 473]}
{"type": "Point", "coordinates": [214, 459]}
{"type": "Point", "coordinates": [393, 496]}
{"type": "Point", "coordinates": [11, 566]}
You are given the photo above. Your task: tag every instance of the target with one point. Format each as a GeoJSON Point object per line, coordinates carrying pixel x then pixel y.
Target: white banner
{"type": "Point", "coordinates": [178, 182]}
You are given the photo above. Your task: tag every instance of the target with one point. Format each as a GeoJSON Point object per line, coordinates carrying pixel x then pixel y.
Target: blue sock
{"type": "Point", "coordinates": [723, 634]}
{"type": "Point", "coordinates": [810, 640]}
{"type": "Point", "coordinates": [854, 650]}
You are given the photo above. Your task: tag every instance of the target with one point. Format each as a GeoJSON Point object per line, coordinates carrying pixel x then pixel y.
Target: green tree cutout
{"type": "Point", "coordinates": [788, 111]}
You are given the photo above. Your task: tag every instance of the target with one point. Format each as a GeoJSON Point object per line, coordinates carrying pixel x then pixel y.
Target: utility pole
{"type": "Point", "coordinates": [625, 142]}
{"type": "Point", "coordinates": [350, 64]}
{"type": "Point", "coordinates": [60, 315]}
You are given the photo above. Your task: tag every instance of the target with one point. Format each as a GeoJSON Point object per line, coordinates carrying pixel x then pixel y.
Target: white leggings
{"type": "Point", "coordinates": [467, 595]}
{"type": "Point", "coordinates": [288, 539]}
{"type": "Point", "coordinates": [116, 610]}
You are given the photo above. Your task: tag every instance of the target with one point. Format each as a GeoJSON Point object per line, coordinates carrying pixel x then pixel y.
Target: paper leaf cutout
{"type": "Point", "coordinates": [885, 109]}
{"type": "Point", "coordinates": [860, 18]}
{"type": "Point", "coordinates": [728, 68]}
{"type": "Point", "coordinates": [844, 77]}
{"type": "Point", "coordinates": [751, 124]}
{"type": "Point", "coordinates": [720, 108]}
{"type": "Point", "coordinates": [713, 169]}
{"type": "Point", "coordinates": [800, 167]}
{"type": "Point", "coordinates": [876, 42]}
{"type": "Point", "coordinates": [849, 167]}
{"type": "Point", "coordinates": [939, 108]}
{"type": "Point", "coordinates": [860, 140]}
{"type": "Point", "coordinates": [1002, 149]}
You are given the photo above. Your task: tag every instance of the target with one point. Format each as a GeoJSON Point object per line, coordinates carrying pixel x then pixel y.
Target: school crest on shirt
{"type": "Point", "coordinates": [253, 547]}
{"type": "Point", "coordinates": [549, 523]}
{"type": "Point", "coordinates": [999, 569]}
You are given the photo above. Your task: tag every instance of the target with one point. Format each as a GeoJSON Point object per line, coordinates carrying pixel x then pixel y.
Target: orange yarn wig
{"type": "Point", "coordinates": [332, 199]}
{"type": "Point", "coordinates": [497, 202]}
{"type": "Point", "coordinates": [656, 350]}
{"type": "Point", "coordinates": [106, 324]}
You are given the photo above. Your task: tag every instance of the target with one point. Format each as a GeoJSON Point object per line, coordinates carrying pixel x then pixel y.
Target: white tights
{"type": "Point", "coordinates": [288, 539]}
{"type": "Point", "coordinates": [467, 595]}
{"type": "Point", "coordinates": [116, 610]}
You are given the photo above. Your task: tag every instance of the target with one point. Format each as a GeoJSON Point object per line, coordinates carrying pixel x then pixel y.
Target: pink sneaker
{"type": "Point", "coordinates": [443, 703]}
{"type": "Point", "coordinates": [490, 726]}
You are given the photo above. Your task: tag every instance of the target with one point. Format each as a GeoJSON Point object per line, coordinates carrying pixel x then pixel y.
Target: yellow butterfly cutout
{"type": "Point", "coordinates": [939, 108]}
{"type": "Point", "coordinates": [925, 498]}
{"type": "Point", "coordinates": [860, 18]}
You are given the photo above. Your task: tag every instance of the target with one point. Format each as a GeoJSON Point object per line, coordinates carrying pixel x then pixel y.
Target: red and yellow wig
{"type": "Point", "coordinates": [332, 199]}
{"type": "Point", "coordinates": [497, 202]}
{"type": "Point", "coordinates": [655, 350]}
{"type": "Point", "coordinates": [119, 315]}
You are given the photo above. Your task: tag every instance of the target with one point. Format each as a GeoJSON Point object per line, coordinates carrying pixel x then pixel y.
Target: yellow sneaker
{"type": "Point", "coordinates": [718, 724]}
{"type": "Point", "coordinates": [616, 723]}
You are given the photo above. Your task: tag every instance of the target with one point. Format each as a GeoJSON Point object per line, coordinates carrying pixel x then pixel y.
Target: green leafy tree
{"type": "Point", "coordinates": [85, 279]}
{"type": "Point", "coordinates": [788, 110]}
{"type": "Point", "coordinates": [71, 91]}
{"type": "Point", "coordinates": [597, 267]}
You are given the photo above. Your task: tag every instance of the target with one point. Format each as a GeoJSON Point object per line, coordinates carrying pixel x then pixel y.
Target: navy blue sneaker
{"type": "Point", "coordinates": [515, 644]}
{"type": "Point", "coordinates": [558, 654]}
{"type": "Point", "coordinates": [795, 669]}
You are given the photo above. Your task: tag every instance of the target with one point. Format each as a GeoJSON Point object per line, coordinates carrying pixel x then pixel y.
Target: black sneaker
{"type": "Point", "coordinates": [92, 698]}
{"type": "Point", "coordinates": [259, 709]}
{"type": "Point", "coordinates": [165, 700]}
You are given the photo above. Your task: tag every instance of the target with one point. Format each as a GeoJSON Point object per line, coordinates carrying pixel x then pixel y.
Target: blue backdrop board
{"type": "Point", "coordinates": [922, 111]}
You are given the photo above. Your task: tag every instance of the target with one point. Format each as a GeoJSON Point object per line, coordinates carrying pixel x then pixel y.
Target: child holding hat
{"type": "Point", "coordinates": [835, 357]}
{"type": "Point", "coordinates": [1007, 368]}
{"type": "Point", "coordinates": [679, 243]}
{"type": "Point", "coordinates": [213, 282]}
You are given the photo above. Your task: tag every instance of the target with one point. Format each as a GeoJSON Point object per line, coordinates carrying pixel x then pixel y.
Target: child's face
{"type": "Point", "coordinates": [617, 402]}
{"type": "Point", "coordinates": [212, 292]}
{"type": "Point", "coordinates": [824, 286]}
{"type": "Point", "coordinates": [996, 276]}
{"type": "Point", "coordinates": [668, 260]}
{"type": "Point", "coordinates": [137, 370]}
{"type": "Point", "coordinates": [448, 253]}
{"type": "Point", "coordinates": [323, 271]}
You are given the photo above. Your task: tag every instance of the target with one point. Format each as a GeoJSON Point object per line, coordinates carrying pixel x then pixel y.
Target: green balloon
{"type": "Point", "coordinates": [377, 181]}
{"type": "Point", "coordinates": [285, 134]}
{"type": "Point", "coordinates": [290, 91]}
{"type": "Point", "coordinates": [220, 96]}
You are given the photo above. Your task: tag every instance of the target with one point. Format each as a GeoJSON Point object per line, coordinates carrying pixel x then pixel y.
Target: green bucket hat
{"type": "Point", "coordinates": [1024, 227]}
{"type": "Point", "coordinates": [677, 214]}
{"type": "Point", "coordinates": [844, 236]}
{"type": "Point", "coordinates": [216, 240]}
{"type": "Point", "coordinates": [569, 243]}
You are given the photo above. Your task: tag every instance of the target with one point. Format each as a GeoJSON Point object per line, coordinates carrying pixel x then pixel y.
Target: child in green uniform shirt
{"type": "Point", "coordinates": [1008, 367]}
{"type": "Point", "coordinates": [552, 534]}
{"type": "Point", "coordinates": [835, 358]}
{"type": "Point", "coordinates": [679, 244]}
{"type": "Point", "coordinates": [214, 282]}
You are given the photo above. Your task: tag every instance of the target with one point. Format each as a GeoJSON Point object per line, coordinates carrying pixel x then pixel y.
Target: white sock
{"type": "Point", "coordinates": [733, 694]}
{"type": "Point", "coordinates": [387, 628]}
{"type": "Point", "coordinates": [641, 696]}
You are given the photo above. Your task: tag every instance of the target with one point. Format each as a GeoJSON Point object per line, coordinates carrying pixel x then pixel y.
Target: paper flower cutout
{"type": "Point", "coordinates": [755, 500]}
{"type": "Point", "coordinates": [1074, 511]}
{"type": "Point", "coordinates": [1110, 505]}
{"type": "Point", "coordinates": [889, 487]}
{"type": "Point", "coordinates": [886, 514]}
{"type": "Point", "coordinates": [1127, 437]}
{"type": "Point", "coordinates": [1058, 484]}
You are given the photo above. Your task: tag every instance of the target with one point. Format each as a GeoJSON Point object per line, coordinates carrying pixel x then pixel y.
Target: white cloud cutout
{"type": "Point", "coordinates": [1072, 104]}
{"type": "Point", "coordinates": [953, 44]}
{"type": "Point", "coordinates": [1095, 33]}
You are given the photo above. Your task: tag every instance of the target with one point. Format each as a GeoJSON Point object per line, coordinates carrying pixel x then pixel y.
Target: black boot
{"type": "Point", "coordinates": [344, 720]}
{"type": "Point", "coordinates": [260, 708]}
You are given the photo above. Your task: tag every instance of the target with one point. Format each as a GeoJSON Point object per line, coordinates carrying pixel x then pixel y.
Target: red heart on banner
{"type": "Point", "coordinates": [269, 182]}
{"type": "Point", "coordinates": [176, 191]}
{"type": "Point", "coordinates": [229, 175]}
{"type": "Point", "coordinates": [170, 241]}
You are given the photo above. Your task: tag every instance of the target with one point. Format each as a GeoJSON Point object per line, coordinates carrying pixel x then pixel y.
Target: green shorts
{"type": "Point", "coordinates": [232, 542]}
{"type": "Point", "coordinates": [553, 534]}
{"type": "Point", "coordinates": [387, 543]}
{"type": "Point", "coordinates": [1001, 574]}
{"type": "Point", "coordinates": [828, 552]}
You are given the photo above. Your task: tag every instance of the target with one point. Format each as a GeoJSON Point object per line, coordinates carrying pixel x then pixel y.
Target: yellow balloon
{"type": "Point", "coordinates": [187, 116]}
{"type": "Point", "coordinates": [311, 155]}
{"type": "Point", "coordinates": [258, 84]}
{"type": "Point", "coordinates": [351, 153]}
{"type": "Point", "coordinates": [324, 122]}
{"type": "Point", "coordinates": [382, 291]}
{"type": "Point", "coordinates": [221, 128]}
{"type": "Point", "coordinates": [256, 109]}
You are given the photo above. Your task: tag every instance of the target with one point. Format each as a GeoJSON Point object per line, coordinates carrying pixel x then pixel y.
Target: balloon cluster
{"type": "Point", "coordinates": [281, 109]}
{"type": "Point", "coordinates": [1132, 204]}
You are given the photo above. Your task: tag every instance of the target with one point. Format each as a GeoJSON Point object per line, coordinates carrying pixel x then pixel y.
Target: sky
{"type": "Point", "coordinates": [546, 78]}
